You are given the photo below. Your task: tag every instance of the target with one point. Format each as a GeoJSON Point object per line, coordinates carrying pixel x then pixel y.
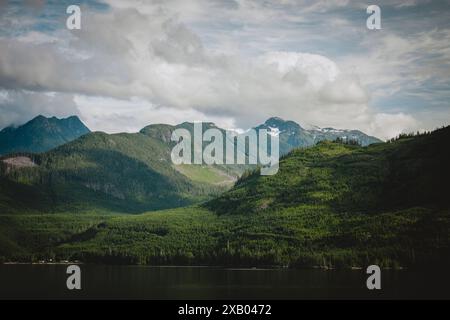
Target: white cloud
{"type": "Point", "coordinates": [114, 115]}
{"type": "Point", "coordinates": [394, 63]}
{"type": "Point", "coordinates": [387, 126]}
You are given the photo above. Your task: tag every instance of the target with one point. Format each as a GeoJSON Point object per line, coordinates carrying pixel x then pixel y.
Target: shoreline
{"type": "Point", "coordinates": [237, 268]}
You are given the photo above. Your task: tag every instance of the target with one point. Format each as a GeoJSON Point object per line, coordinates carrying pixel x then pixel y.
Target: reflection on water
{"type": "Point", "coordinates": [142, 282]}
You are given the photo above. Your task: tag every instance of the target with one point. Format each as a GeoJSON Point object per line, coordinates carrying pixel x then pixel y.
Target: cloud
{"type": "Point", "coordinates": [393, 63]}
{"type": "Point", "coordinates": [168, 61]}
{"type": "Point", "coordinates": [114, 115]}
{"type": "Point", "coordinates": [387, 126]}
{"type": "Point", "coordinates": [135, 55]}
{"type": "Point", "coordinates": [17, 107]}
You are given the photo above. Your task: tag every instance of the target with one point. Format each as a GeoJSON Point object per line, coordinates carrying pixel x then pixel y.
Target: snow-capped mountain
{"type": "Point", "coordinates": [292, 135]}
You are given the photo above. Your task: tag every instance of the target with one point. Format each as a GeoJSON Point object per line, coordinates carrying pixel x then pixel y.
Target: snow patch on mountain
{"type": "Point", "coordinates": [274, 131]}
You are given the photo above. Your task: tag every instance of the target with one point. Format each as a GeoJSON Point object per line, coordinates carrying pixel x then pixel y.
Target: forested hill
{"type": "Point", "coordinates": [410, 171]}
{"type": "Point", "coordinates": [116, 173]}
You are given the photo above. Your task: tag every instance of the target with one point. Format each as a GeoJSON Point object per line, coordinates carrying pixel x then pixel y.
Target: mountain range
{"type": "Point", "coordinates": [292, 135]}
{"type": "Point", "coordinates": [125, 172]}
{"type": "Point", "coordinates": [43, 134]}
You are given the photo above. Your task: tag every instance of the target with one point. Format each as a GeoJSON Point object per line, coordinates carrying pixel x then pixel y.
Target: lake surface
{"type": "Point", "coordinates": [143, 282]}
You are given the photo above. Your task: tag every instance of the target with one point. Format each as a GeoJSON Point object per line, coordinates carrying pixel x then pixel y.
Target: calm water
{"type": "Point", "coordinates": [141, 282]}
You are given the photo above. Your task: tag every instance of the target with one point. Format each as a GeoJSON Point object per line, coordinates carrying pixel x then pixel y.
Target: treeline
{"type": "Point", "coordinates": [350, 142]}
{"type": "Point", "coordinates": [414, 134]}
{"type": "Point", "coordinates": [388, 257]}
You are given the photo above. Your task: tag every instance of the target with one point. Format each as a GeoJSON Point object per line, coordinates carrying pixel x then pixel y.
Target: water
{"type": "Point", "coordinates": [142, 282]}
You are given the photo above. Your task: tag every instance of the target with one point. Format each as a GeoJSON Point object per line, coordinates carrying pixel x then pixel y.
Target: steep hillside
{"type": "Point", "coordinates": [41, 134]}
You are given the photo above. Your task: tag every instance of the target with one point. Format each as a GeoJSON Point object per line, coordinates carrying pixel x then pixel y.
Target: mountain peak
{"type": "Point", "coordinates": [41, 134]}
{"type": "Point", "coordinates": [281, 124]}
{"type": "Point", "coordinates": [275, 119]}
{"type": "Point", "coordinates": [38, 119]}
{"type": "Point", "coordinates": [292, 135]}
{"type": "Point", "coordinates": [42, 117]}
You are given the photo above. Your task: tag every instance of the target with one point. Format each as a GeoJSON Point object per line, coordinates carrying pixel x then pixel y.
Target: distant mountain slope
{"type": "Point", "coordinates": [292, 135]}
{"type": "Point", "coordinates": [224, 173]}
{"type": "Point", "coordinates": [41, 134]}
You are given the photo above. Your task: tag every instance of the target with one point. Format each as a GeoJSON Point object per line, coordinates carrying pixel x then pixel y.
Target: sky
{"type": "Point", "coordinates": [232, 62]}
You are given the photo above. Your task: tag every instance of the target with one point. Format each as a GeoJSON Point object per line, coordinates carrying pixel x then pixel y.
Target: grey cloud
{"type": "Point", "coordinates": [17, 107]}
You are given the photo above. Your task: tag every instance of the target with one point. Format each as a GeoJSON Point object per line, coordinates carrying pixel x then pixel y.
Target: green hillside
{"type": "Point", "coordinates": [332, 205]}
{"type": "Point", "coordinates": [119, 173]}
{"type": "Point", "coordinates": [410, 171]}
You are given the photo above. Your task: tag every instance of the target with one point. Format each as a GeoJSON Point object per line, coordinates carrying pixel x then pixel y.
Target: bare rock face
{"type": "Point", "coordinates": [19, 162]}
